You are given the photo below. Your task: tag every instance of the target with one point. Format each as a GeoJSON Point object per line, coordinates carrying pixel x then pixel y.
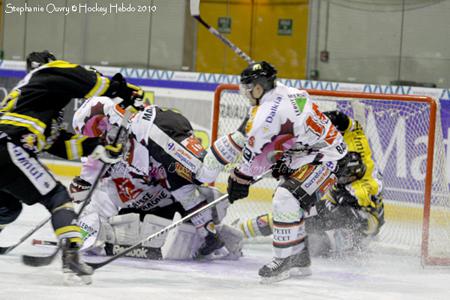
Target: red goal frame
{"type": "Point", "coordinates": [426, 258]}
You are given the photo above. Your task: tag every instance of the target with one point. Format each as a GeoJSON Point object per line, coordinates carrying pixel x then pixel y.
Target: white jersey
{"type": "Point", "coordinates": [291, 113]}
{"type": "Point", "coordinates": [130, 183]}
{"type": "Point", "coordinates": [96, 115]}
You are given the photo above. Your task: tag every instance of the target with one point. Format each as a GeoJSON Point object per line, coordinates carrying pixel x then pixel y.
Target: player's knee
{"type": "Point", "coordinates": [286, 207]}
{"type": "Point", "coordinates": [57, 198]}
{"type": "Point", "coordinates": [10, 212]}
{"type": "Point", "coordinates": [283, 199]}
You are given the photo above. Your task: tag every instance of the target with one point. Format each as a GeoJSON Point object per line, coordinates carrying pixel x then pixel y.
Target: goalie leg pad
{"type": "Point", "coordinates": [152, 224]}
{"type": "Point", "coordinates": [232, 238]}
{"type": "Point", "coordinates": [181, 242]}
{"type": "Point", "coordinates": [126, 229]}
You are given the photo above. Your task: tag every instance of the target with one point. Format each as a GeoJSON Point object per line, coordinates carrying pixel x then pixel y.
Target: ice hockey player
{"type": "Point", "coordinates": [30, 123]}
{"type": "Point", "coordinates": [351, 212]}
{"type": "Point", "coordinates": [313, 146]}
{"type": "Point", "coordinates": [164, 162]}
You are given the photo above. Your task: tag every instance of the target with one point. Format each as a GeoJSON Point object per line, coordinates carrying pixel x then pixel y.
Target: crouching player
{"type": "Point", "coordinates": [164, 168]}
{"type": "Point", "coordinates": [351, 213]}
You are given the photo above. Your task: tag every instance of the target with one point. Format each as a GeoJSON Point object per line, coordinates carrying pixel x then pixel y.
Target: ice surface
{"type": "Point", "coordinates": [374, 276]}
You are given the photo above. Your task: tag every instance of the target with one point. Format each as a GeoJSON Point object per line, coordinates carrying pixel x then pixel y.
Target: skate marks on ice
{"type": "Point", "coordinates": [380, 278]}
{"type": "Point", "coordinates": [377, 276]}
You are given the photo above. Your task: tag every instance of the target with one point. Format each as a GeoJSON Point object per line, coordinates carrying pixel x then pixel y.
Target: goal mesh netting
{"type": "Point", "coordinates": [399, 129]}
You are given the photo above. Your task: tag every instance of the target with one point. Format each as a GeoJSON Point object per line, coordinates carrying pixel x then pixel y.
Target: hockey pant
{"type": "Point", "coordinates": [24, 179]}
{"type": "Point", "coordinates": [295, 195]}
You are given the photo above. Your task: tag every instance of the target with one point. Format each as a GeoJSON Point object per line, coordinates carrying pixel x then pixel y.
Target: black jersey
{"type": "Point", "coordinates": [31, 114]}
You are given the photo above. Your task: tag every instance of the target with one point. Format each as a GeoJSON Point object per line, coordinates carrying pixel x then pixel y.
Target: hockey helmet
{"type": "Point", "coordinates": [258, 73]}
{"type": "Point", "coordinates": [37, 59]}
{"type": "Point", "coordinates": [339, 119]}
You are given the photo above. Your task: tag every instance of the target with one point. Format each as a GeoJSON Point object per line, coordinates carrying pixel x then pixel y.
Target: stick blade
{"type": "Point", "coordinates": [4, 250]}
{"type": "Point", "coordinates": [195, 8]}
{"type": "Point", "coordinates": [38, 261]}
{"type": "Point", "coordinates": [95, 266]}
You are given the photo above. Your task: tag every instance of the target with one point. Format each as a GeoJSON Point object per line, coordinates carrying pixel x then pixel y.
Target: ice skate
{"type": "Point", "coordinates": [282, 268]}
{"type": "Point", "coordinates": [75, 271]}
{"type": "Point", "coordinates": [277, 270]}
{"type": "Point", "coordinates": [211, 244]}
{"type": "Point", "coordinates": [301, 264]}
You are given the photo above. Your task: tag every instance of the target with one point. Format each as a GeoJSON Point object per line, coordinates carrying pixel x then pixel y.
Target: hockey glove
{"type": "Point", "coordinates": [281, 168]}
{"type": "Point", "coordinates": [132, 95]}
{"type": "Point", "coordinates": [108, 154]}
{"type": "Point", "coordinates": [338, 195]}
{"type": "Point", "coordinates": [238, 185]}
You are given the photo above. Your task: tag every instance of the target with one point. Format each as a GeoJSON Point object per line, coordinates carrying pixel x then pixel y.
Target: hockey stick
{"type": "Point", "coordinates": [168, 228]}
{"type": "Point", "coordinates": [35, 242]}
{"type": "Point", "coordinates": [5, 250]}
{"type": "Point", "coordinates": [37, 261]}
{"type": "Point", "coordinates": [195, 12]}
{"type": "Point", "coordinates": [144, 252]}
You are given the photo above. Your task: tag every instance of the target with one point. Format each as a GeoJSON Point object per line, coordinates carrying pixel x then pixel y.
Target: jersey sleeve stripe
{"type": "Point", "coordinates": [99, 88]}
{"type": "Point", "coordinates": [74, 148]}
{"type": "Point", "coordinates": [33, 125]}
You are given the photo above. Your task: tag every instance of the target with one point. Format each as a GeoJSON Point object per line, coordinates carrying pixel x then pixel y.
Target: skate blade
{"type": "Point", "coordinates": [280, 277]}
{"type": "Point", "coordinates": [71, 279]}
{"type": "Point", "coordinates": [301, 272]}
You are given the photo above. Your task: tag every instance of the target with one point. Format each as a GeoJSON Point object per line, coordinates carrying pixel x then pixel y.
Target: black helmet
{"type": "Point", "coordinates": [37, 59]}
{"type": "Point", "coordinates": [260, 72]}
{"type": "Point", "coordinates": [339, 119]}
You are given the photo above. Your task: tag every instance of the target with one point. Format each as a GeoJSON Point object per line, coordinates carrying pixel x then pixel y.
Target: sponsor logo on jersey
{"type": "Point", "coordinates": [326, 185]}
{"type": "Point", "coordinates": [32, 169]}
{"type": "Point", "coordinates": [303, 172]}
{"type": "Point", "coordinates": [193, 145]}
{"type": "Point", "coordinates": [185, 158]}
{"type": "Point", "coordinates": [150, 200]}
{"type": "Point", "coordinates": [313, 182]}
{"type": "Point", "coordinates": [183, 172]}
{"type": "Point", "coordinates": [298, 104]}
{"type": "Point", "coordinates": [148, 114]}
{"type": "Point", "coordinates": [273, 109]}
{"type": "Point", "coordinates": [126, 189]}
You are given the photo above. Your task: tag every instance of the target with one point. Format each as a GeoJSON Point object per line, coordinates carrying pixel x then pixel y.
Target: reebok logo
{"type": "Point", "coordinates": [140, 252]}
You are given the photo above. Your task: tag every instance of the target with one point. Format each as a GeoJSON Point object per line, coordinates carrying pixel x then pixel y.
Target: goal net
{"type": "Point", "coordinates": [405, 134]}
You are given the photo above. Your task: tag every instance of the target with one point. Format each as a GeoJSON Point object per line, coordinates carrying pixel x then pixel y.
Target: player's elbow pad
{"type": "Point", "coordinates": [222, 152]}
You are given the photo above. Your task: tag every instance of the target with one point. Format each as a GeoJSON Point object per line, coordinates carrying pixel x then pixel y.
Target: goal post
{"type": "Point", "coordinates": [404, 131]}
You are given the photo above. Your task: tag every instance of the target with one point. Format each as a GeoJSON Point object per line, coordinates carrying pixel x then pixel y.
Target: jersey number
{"type": "Point", "coordinates": [317, 124]}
